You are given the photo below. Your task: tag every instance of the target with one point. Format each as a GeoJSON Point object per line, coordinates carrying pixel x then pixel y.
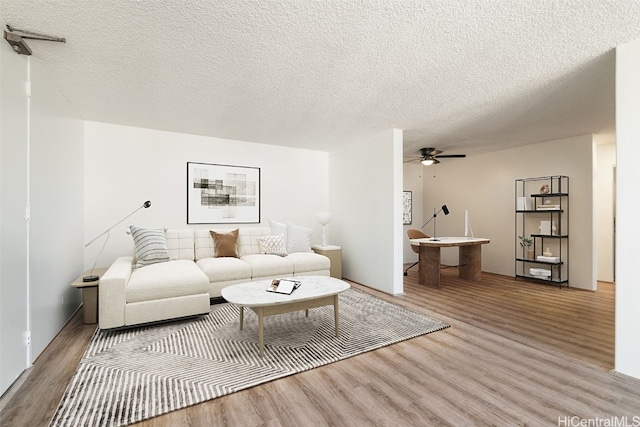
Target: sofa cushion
{"type": "Point", "coordinates": [150, 245]}
{"type": "Point", "coordinates": [203, 243]}
{"type": "Point", "coordinates": [309, 261]}
{"type": "Point", "coordinates": [268, 265]}
{"type": "Point", "coordinates": [224, 269]}
{"type": "Point", "coordinates": [225, 244]}
{"type": "Point", "coordinates": [273, 245]}
{"type": "Point", "coordinates": [180, 244]}
{"type": "Point", "coordinates": [248, 239]}
{"type": "Point", "coordinates": [298, 239]}
{"type": "Point", "coordinates": [166, 280]}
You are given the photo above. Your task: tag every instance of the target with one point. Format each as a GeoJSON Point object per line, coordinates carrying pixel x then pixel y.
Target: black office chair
{"type": "Point", "coordinates": [414, 233]}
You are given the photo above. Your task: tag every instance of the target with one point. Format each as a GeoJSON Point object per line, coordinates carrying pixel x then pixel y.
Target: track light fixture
{"type": "Point", "coordinates": [16, 38]}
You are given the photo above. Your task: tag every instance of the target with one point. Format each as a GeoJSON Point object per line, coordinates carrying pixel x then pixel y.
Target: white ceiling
{"type": "Point", "coordinates": [462, 76]}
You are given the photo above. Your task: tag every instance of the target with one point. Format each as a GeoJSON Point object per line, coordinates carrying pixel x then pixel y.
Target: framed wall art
{"type": "Point", "coordinates": [222, 194]}
{"type": "Point", "coordinates": [406, 208]}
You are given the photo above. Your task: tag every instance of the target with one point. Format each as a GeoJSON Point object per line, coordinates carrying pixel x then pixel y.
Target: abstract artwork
{"type": "Point", "coordinates": [221, 194]}
{"type": "Point", "coordinates": [406, 207]}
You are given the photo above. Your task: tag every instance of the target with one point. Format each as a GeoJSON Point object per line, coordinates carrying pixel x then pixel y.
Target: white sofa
{"type": "Point", "coordinates": [183, 285]}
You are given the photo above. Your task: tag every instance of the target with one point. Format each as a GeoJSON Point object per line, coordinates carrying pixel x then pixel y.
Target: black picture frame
{"type": "Point", "coordinates": [222, 194]}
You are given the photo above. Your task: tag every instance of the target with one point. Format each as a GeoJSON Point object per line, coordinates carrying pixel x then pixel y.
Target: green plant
{"type": "Point", "coordinates": [525, 242]}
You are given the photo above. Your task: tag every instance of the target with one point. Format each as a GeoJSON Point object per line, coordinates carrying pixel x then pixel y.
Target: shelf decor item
{"type": "Point", "coordinates": [540, 272]}
{"type": "Point", "coordinates": [525, 243]}
{"type": "Point", "coordinates": [547, 227]}
{"type": "Point", "coordinates": [523, 204]}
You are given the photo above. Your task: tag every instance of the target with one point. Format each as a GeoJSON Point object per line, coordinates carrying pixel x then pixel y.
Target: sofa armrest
{"type": "Point", "coordinates": [112, 293]}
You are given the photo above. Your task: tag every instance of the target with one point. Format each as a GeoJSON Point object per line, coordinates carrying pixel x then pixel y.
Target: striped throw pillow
{"type": "Point", "coordinates": [150, 245]}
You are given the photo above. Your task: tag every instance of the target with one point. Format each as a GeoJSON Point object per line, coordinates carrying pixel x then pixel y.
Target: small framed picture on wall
{"type": "Point", "coordinates": [406, 207]}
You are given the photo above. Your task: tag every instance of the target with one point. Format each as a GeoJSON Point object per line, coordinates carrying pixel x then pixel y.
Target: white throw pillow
{"type": "Point", "coordinates": [273, 245]}
{"type": "Point", "coordinates": [278, 228]}
{"type": "Point", "coordinates": [150, 245]}
{"type": "Point", "coordinates": [298, 239]}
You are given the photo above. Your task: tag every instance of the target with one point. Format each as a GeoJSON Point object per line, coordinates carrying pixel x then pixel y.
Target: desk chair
{"type": "Point", "coordinates": [414, 233]}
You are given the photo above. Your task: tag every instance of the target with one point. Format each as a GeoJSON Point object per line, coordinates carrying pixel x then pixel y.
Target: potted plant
{"type": "Point", "coordinates": [525, 243]}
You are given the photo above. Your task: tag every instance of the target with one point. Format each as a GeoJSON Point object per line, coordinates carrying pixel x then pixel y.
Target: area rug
{"type": "Point", "coordinates": [130, 375]}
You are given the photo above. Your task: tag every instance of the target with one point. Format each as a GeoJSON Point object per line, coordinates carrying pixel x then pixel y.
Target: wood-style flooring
{"type": "Point", "coordinates": [517, 353]}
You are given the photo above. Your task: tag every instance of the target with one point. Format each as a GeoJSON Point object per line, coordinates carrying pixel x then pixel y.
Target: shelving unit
{"type": "Point", "coordinates": [542, 213]}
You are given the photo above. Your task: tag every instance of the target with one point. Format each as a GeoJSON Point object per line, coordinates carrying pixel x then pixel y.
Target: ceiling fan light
{"type": "Point", "coordinates": [428, 162]}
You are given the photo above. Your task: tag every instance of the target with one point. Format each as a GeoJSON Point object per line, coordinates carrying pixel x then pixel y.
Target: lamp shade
{"type": "Point", "coordinates": [324, 217]}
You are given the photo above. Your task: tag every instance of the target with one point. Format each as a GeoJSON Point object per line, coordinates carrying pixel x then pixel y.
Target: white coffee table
{"type": "Point", "coordinates": [315, 291]}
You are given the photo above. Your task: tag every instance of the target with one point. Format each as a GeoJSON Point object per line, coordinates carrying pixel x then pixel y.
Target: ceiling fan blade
{"type": "Point", "coordinates": [412, 160]}
{"type": "Point", "coordinates": [429, 151]}
{"type": "Point", "coordinates": [452, 156]}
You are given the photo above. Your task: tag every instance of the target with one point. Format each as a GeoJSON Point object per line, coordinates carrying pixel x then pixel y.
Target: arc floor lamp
{"type": "Point", "coordinates": [92, 277]}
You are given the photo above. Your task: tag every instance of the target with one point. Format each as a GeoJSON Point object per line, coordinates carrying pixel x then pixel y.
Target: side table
{"type": "Point", "coordinates": [89, 295]}
{"type": "Point", "coordinates": [334, 253]}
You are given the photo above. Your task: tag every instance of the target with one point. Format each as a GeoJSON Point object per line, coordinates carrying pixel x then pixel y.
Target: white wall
{"type": "Point", "coordinates": [627, 354]}
{"type": "Point", "coordinates": [604, 193]}
{"type": "Point", "coordinates": [126, 166]}
{"type": "Point", "coordinates": [40, 257]}
{"type": "Point", "coordinates": [57, 209]}
{"type": "Point", "coordinates": [13, 227]}
{"type": "Point", "coordinates": [412, 181]}
{"type": "Point", "coordinates": [484, 184]}
{"type": "Point", "coordinates": [366, 198]}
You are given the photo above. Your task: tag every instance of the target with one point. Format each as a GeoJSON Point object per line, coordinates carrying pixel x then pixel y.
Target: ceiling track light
{"type": "Point", "coordinates": [16, 38]}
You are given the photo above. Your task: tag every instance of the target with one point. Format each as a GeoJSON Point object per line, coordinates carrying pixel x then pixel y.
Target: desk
{"type": "Point", "coordinates": [469, 257]}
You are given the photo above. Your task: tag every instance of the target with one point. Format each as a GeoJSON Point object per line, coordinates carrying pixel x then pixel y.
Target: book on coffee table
{"type": "Point", "coordinates": [283, 286]}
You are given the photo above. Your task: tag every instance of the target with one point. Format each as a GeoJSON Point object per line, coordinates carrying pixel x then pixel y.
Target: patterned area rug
{"type": "Point", "coordinates": [131, 375]}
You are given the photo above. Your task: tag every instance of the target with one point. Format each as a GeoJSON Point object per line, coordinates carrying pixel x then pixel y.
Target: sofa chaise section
{"type": "Point", "coordinates": [168, 290]}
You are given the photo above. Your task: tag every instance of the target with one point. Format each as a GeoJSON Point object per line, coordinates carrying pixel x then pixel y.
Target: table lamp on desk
{"type": "Point", "coordinates": [433, 218]}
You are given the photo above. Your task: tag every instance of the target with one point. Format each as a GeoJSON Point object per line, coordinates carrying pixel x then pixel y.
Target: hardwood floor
{"type": "Point", "coordinates": [517, 353]}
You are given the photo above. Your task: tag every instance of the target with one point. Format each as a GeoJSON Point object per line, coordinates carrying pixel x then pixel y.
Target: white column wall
{"type": "Point", "coordinates": [126, 166]}
{"type": "Point", "coordinates": [41, 169]}
{"type": "Point", "coordinates": [13, 227]}
{"type": "Point", "coordinates": [57, 209]}
{"type": "Point", "coordinates": [627, 354]}
{"type": "Point", "coordinates": [366, 198]}
{"type": "Point", "coordinates": [604, 193]}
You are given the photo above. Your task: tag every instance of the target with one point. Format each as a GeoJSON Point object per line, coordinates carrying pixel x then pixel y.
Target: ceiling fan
{"type": "Point", "coordinates": [429, 156]}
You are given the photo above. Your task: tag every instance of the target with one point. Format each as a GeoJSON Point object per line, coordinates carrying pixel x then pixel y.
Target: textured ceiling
{"type": "Point", "coordinates": [462, 76]}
